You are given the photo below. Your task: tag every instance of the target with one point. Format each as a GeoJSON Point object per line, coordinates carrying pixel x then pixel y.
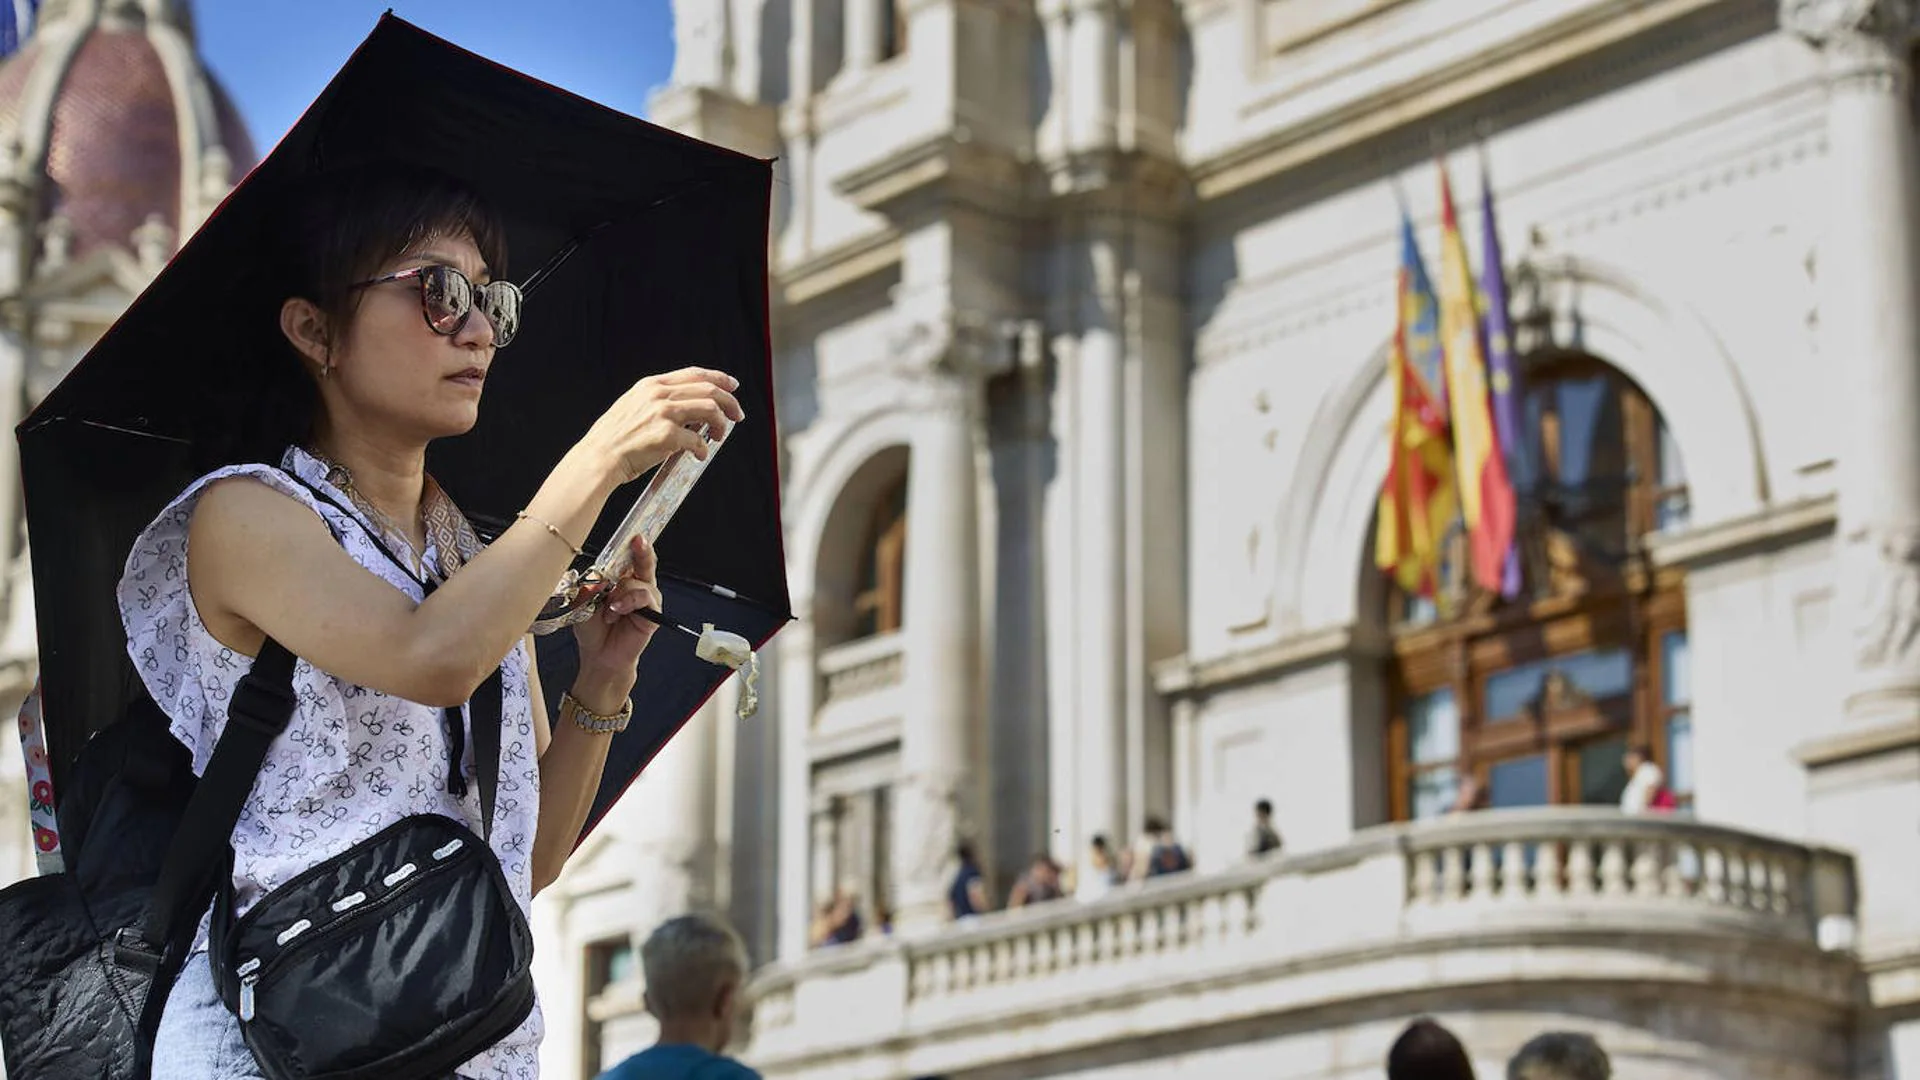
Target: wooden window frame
{"type": "Point", "coordinates": [1633, 609]}
{"type": "Point", "coordinates": [884, 553]}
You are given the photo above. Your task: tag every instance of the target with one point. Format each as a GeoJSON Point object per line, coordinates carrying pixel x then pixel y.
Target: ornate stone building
{"type": "Point", "coordinates": [1082, 311]}
{"type": "Point", "coordinates": [115, 142]}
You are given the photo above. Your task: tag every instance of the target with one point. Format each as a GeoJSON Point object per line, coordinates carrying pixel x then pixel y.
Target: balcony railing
{"type": "Point", "coordinates": [1309, 930]}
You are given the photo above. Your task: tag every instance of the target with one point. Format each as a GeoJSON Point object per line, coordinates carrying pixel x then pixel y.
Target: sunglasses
{"type": "Point", "coordinates": [447, 299]}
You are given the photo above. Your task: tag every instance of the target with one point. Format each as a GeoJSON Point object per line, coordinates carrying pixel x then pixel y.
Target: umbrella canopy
{"type": "Point", "coordinates": [657, 250]}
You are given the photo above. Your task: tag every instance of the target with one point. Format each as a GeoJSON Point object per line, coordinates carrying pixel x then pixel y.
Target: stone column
{"type": "Point", "coordinates": [934, 801]}
{"type": "Point", "coordinates": [794, 655]}
{"type": "Point", "coordinates": [862, 40]}
{"type": "Point", "coordinates": [702, 43]}
{"type": "Point", "coordinates": [670, 826]}
{"type": "Point", "coordinates": [1863, 792]}
{"type": "Point", "coordinates": [1869, 280]}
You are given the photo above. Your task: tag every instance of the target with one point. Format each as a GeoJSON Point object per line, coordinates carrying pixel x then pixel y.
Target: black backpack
{"type": "Point", "coordinates": [88, 955]}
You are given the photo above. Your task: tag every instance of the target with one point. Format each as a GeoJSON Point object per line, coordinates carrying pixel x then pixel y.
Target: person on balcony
{"type": "Point", "coordinates": [1646, 785]}
{"type": "Point", "coordinates": [1560, 1055]}
{"type": "Point", "coordinates": [1102, 873]}
{"type": "Point", "coordinates": [695, 966]}
{"type": "Point", "coordinates": [1038, 885]}
{"type": "Point", "coordinates": [1263, 837]}
{"type": "Point", "coordinates": [967, 896]}
{"type": "Point", "coordinates": [838, 921]}
{"type": "Point", "coordinates": [1157, 852]}
{"type": "Point", "coordinates": [1427, 1051]}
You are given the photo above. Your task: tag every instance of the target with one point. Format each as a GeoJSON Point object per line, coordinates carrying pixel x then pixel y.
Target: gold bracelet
{"type": "Point", "coordinates": [588, 720]}
{"type": "Point", "coordinates": [571, 546]}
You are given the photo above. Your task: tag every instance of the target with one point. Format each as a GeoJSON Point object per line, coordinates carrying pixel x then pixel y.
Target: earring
{"type": "Point", "coordinates": [325, 370]}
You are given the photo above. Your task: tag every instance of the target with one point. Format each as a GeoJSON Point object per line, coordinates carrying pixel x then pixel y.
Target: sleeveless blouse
{"type": "Point", "coordinates": [353, 760]}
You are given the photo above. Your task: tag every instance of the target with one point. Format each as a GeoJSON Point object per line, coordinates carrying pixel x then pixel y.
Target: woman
{"type": "Point", "coordinates": [350, 556]}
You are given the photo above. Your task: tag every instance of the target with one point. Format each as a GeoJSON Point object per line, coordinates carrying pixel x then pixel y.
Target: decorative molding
{"type": "Point", "coordinates": [1182, 676]}
{"type": "Point", "coordinates": [1398, 106]}
{"type": "Point", "coordinates": [1774, 527]}
{"type": "Point", "coordinates": [1887, 634]}
{"type": "Point", "coordinates": [827, 272]}
{"type": "Point", "coordinates": [1857, 745]}
{"type": "Point", "coordinates": [1865, 42]}
{"type": "Point", "coordinates": [1275, 323]}
{"type": "Point", "coordinates": [1825, 22]}
{"type": "Point", "coordinates": [949, 165]}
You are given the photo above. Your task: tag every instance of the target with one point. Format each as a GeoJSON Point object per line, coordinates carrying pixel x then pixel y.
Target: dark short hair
{"type": "Point", "coordinates": [337, 227]}
{"type": "Point", "coordinates": [1427, 1051]}
{"type": "Point", "coordinates": [1100, 841]}
{"type": "Point", "coordinates": [1560, 1055]}
{"type": "Point", "coordinates": [964, 851]}
{"type": "Point", "coordinates": [1640, 750]}
{"type": "Point", "coordinates": [1156, 823]}
{"type": "Point", "coordinates": [1264, 806]}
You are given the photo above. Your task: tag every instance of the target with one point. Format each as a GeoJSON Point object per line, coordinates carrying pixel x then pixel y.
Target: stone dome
{"type": "Point", "coordinates": [113, 133]}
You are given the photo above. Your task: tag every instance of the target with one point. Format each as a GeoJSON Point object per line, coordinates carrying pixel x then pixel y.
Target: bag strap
{"type": "Point", "coordinates": [258, 714]}
{"type": "Point", "coordinates": [484, 709]}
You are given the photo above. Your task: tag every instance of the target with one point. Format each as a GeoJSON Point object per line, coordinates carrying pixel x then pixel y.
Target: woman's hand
{"type": "Point", "coordinates": [613, 639]}
{"type": "Point", "coordinates": [660, 415]}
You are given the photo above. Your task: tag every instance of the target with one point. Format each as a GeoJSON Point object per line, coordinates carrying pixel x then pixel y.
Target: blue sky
{"type": "Point", "coordinates": [274, 56]}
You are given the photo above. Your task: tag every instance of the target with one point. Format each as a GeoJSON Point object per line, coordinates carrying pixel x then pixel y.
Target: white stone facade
{"type": "Point", "coordinates": [1111, 286]}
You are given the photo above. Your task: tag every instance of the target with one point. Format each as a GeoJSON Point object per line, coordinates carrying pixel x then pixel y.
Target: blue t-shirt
{"type": "Point", "coordinates": [679, 1061]}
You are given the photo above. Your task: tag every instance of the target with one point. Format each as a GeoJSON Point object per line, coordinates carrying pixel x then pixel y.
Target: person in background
{"type": "Point", "coordinates": [1160, 853]}
{"type": "Point", "coordinates": [695, 968]}
{"type": "Point", "coordinates": [1102, 874]}
{"type": "Point", "coordinates": [1560, 1055]}
{"type": "Point", "coordinates": [967, 895]}
{"type": "Point", "coordinates": [838, 921]}
{"type": "Point", "coordinates": [1263, 837]}
{"type": "Point", "coordinates": [1646, 784]}
{"type": "Point", "coordinates": [1038, 885]}
{"type": "Point", "coordinates": [1471, 796]}
{"type": "Point", "coordinates": [1427, 1051]}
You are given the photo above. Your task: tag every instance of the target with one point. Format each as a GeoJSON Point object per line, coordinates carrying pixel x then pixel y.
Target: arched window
{"type": "Point", "coordinates": [877, 606]}
{"type": "Point", "coordinates": [1533, 700]}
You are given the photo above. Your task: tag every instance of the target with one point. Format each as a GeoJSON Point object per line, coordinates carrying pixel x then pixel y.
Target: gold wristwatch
{"type": "Point", "coordinates": [588, 720]}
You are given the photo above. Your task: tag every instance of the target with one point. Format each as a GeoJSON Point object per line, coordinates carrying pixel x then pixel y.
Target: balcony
{"type": "Point", "coordinates": [1520, 913]}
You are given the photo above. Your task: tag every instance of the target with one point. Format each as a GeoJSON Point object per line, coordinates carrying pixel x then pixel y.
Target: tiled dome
{"type": "Point", "coordinates": [92, 111]}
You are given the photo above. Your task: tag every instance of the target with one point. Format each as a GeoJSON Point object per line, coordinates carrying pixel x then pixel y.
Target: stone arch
{"type": "Point", "coordinates": [1663, 347]}
{"type": "Point", "coordinates": [865, 458]}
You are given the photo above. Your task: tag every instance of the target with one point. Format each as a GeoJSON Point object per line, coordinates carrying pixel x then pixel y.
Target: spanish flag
{"type": "Point", "coordinates": [1486, 494]}
{"type": "Point", "coordinates": [1417, 500]}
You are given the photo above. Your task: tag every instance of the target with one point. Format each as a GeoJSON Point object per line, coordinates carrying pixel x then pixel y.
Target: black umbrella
{"type": "Point", "coordinates": [652, 249]}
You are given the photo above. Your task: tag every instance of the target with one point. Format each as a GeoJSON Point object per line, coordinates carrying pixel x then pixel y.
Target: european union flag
{"type": "Point", "coordinates": [16, 22]}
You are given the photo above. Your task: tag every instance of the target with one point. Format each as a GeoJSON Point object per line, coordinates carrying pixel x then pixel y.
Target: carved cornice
{"type": "Point", "coordinates": [1826, 21]}
{"type": "Point", "coordinates": [1865, 41]}
{"type": "Point", "coordinates": [947, 166]}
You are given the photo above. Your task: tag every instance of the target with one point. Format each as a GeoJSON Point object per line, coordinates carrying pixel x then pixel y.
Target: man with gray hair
{"type": "Point", "coordinates": [695, 968]}
{"type": "Point", "coordinates": [1560, 1055]}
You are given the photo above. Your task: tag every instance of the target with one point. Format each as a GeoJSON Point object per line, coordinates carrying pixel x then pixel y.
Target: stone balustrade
{"type": "Point", "coordinates": [1538, 895]}
{"type": "Point", "coordinates": [862, 667]}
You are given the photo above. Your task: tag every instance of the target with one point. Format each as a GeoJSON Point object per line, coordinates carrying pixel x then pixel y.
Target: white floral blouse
{"type": "Point", "coordinates": [352, 760]}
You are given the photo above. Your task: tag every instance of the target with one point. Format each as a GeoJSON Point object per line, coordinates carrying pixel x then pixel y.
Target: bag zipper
{"type": "Point", "coordinates": [401, 881]}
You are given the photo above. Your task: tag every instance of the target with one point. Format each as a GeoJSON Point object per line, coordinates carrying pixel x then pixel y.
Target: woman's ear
{"type": "Point", "coordinates": [305, 325]}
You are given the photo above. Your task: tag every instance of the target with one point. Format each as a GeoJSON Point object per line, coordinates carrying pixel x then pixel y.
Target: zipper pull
{"type": "Point", "coordinates": [246, 997]}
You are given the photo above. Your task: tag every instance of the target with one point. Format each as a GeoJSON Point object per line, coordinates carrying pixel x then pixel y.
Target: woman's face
{"type": "Point", "coordinates": [393, 372]}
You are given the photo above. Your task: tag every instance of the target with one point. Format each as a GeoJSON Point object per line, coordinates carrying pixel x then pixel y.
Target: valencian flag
{"type": "Point", "coordinates": [1417, 500]}
{"type": "Point", "coordinates": [1502, 373]}
{"type": "Point", "coordinates": [1486, 495]}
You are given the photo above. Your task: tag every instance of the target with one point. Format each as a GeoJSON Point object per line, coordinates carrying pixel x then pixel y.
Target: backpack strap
{"type": "Point", "coordinates": [200, 851]}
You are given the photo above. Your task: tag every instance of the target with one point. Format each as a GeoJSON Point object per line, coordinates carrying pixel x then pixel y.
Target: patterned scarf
{"type": "Point", "coordinates": [449, 534]}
